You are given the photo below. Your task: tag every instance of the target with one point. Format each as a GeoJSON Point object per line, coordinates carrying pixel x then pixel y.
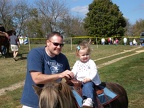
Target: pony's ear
{"type": "Point", "coordinates": [37, 90]}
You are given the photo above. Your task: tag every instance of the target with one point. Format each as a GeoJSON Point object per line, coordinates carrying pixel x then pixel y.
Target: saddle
{"type": "Point", "coordinates": [77, 85]}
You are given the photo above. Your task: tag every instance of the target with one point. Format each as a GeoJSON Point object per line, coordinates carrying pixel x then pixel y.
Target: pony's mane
{"type": "Point", "coordinates": [56, 95]}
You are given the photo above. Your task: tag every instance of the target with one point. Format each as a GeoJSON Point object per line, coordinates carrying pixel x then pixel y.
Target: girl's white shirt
{"type": "Point", "coordinates": [86, 70]}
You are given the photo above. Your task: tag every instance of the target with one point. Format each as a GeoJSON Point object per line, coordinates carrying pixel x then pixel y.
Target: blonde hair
{"type": "Point", "coordinates": [83, 45]}
{"type": "Point", "coordinates": [57, 95]}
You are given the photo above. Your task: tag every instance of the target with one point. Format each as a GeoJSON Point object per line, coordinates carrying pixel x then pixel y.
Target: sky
{"type": "Point", "coordinates": [133, 10]}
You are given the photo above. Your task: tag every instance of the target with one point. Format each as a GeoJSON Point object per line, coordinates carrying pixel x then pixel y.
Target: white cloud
{"type": "Point", "coordinates": [80, 10]}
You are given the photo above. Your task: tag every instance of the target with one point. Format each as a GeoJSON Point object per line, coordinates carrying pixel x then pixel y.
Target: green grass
{"type": "Point", "coordinates": [11, 99]}
{"type": "Point", "coordinates": [128, 72]}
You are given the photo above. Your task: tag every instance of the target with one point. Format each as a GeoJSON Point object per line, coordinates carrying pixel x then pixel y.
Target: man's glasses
{"type": "Point", "coordinates": [57, 44]}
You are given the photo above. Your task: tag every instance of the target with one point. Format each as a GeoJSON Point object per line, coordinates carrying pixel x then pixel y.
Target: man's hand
{"type": "Point", "coordinates": [68, 74]}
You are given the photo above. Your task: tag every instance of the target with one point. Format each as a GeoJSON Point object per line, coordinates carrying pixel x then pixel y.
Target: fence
{"type": "Point", "coordinates": [94, 40]}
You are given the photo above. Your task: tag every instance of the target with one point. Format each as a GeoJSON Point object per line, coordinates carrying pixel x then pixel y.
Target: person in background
{"type": "Point", "coordinates": [21, 40]}
{"type": "Point", "coordinates": [134, 42]}
{"type": "Point", "coordinates": [125, 40]}
{"type": "Point", "coordinates": [85, 70]}
{"type": "Point", "coordinates": [103, 41]}
{"type": "Point", "coordinates": [25, 40]}
{"type": "Point", "coordinates": [3, 50]}
{"type": "Point", "coordinates": [116, 41]}
{"type": "Point", "coordinates": [2, 30]}
{"type": "Point", "coordinates": [44, 64]}
{"type": "Point", "coordinates": [109, 41]}
{"type": "Point", "coordinates": [14, 44]}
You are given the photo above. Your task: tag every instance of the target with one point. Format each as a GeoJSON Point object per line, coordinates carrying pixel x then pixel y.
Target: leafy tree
{"type": "Point", "coordinates": [34, 26]}
{"type": "Point", "coordinates": [104, 19]}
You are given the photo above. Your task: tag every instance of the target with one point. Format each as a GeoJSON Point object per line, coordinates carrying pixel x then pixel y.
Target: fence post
{"type": "Point", "coordinates": [71, 43]}
{"type": "Point", "coordinates": [29, 44]}
{"type": "Point", "coordinates": [96, 42]}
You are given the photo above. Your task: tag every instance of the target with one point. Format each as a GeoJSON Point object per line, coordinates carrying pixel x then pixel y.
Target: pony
{"type": "Point", "coordinates": [60, 95]}
{"type": "Point", "coordinates": [55, 95]}
{"type": "Point", "coordinates": [120, 101]}
{"type": "Point", "coordinates": [4, 41]}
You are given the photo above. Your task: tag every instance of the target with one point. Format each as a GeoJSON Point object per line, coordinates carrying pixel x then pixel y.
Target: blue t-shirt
{"type": "Point", "coordinates": [39, 61]}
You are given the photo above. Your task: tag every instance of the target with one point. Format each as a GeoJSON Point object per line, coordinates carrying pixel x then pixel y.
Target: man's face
{"type": "Point", "coordinates": [54, 45]}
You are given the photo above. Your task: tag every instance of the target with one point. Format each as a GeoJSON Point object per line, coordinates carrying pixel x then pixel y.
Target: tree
{"type": "Point", "coordinates": [138, 27]}
{"type": "Point", "coordinates": [52, 12]}
{"type": "Point", "coordinates": [21, 15]}
{"type": "Point", "coordinates": [128, 28]}
{"type": "Point", "coordinates": [104, 19]}
{"type": "Point", "coordinates": [6, 14]}
{"type": "Point", "coordinates": [34, 24]}
{"type": "Point", "coordinates": [72, 26]}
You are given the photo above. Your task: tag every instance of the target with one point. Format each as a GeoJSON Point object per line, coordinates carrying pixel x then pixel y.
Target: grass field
{"type": "Point", "coordinates": [121, 64]}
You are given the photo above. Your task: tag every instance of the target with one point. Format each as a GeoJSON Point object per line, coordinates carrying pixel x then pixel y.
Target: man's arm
{"type": "Point", "coordinates": [40, 78]}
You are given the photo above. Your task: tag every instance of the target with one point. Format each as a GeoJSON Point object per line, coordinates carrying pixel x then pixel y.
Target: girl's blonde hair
{"type": "Point", "coordinates": [83, 45]}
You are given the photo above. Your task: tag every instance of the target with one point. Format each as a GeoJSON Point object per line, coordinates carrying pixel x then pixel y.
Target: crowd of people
{"type": "Point", "coordinates": [115, 41]}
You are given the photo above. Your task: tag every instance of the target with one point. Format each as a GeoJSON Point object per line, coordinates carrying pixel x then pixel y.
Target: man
{"type": "Point", "coordinates": [44, 64]}
{"type": "Point", "coordinates": [14, 43]}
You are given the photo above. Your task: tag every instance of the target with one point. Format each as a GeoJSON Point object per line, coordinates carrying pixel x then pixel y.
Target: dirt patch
{"type": "Point", "coordinates": [140, 51]}
{"type": "Point", "coordinates": [11, 88]}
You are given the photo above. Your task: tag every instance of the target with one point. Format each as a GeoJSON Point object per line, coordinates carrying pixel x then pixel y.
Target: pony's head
{"type": "Point", "coordinates": [55, 95]}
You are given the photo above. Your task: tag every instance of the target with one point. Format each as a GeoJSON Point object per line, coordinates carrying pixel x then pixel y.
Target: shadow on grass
{"type": "Point", "coordinates": [21, 56]}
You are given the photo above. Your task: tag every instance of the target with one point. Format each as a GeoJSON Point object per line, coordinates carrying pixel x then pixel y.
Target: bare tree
{"type": "Point", "coordinates": [6, 13]}
{"type": "Point", "coordinates": [39, 19]}
{"type": "Point", "coordinates": [128, 28]}
{"type": "Point", "coordinates": [52, 12]}
{"type": "Point", "coordinates": [138, 27]}
{"type": "Point", "coordinates": [21, 15]}
{"type": "Point", "coordinates": [73, 26]}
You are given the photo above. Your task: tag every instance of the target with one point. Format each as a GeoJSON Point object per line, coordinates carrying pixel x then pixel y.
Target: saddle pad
{"type": "Point", "coordinates": [78, 98]}
{"type": "Point", "coordinates": [107, 96]}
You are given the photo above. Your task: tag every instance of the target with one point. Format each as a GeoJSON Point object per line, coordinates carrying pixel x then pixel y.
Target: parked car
{"type": "Point", "coordinates": [142, 38]}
